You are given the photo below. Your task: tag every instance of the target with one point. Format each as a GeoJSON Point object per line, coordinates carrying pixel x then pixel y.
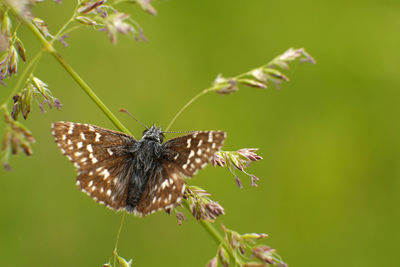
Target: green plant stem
{"type": "Point", "coordinates": [49, 47]}
{"type": "Point", "coordinates": [211, 89]}
{"type": "Point", "coordinates": [117, 239]}
{"type": "Point", "coordinates": [187, 105]}
{"type": "Point", "coordinates": [210, 229]}
{"type": "Point", "coordinates": [64, 27]}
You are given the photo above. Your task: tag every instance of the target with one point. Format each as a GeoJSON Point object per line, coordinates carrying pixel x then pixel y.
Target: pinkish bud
{"type": "Point", "coordinates": [218, 160]}
{"type": "Point", "coordinates": [264, 253]}
{"type": "Point", "coordinates": [238, 182]}
{"type": "Point", "coordinates": [180, 217]}
{"type": "Point", "coordinates": [57, 103]}
{"type": "Point", "coordinates": [212, 262]}
{"type": "Point", "coordinates": [214, 210]}
{"type": "Point", "coordinates": [89, 7]}
{"type": "Point", "coordinates": [254, 181]}
{"type": "Point", "coordinates": [7, 167]}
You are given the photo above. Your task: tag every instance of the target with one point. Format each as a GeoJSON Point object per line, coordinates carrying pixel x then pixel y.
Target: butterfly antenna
{"type": "Point", "coordinates": [127, 112]}
{"type": "Point", "coordinates": [181, 132]}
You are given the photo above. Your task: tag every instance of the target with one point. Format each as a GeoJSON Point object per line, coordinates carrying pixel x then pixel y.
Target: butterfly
{"type": "Point", "coordinates": [139, 176]}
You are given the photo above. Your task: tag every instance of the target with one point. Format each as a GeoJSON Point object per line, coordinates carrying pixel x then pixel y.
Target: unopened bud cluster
{"type": "Point", "coordinates": [201, 206]}
{"type": "Point", "coordinates": [35, 90]}
{"type": "Point", "coordinates": [16, 138]}
{"type": "Point", "coordinates": [107, 18]}
{"type": "Point", "coordinates": [11, 47]}
{"type": "Point", "coordinates": [237, 160]}
{"type": "Point", "coordinates": [262, 76]}
{"type": "Point", "coordinates": [246, 252]}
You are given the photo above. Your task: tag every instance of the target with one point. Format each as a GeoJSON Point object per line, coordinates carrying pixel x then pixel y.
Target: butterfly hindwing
{"type": "Point", "coordinates": [100, 156]}
{"type": "Point", "coordinates": [163, 191]}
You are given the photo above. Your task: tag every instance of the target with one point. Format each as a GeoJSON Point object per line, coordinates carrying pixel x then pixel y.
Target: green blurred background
{"type": "Point", "coordinates": [329, 189]}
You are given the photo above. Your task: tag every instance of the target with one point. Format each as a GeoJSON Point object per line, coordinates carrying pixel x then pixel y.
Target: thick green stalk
{"type": "Point", "coordinates": [214, 233]}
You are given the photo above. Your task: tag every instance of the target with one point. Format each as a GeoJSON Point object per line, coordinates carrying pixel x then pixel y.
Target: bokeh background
{"type": "Point", "coordinates": [329, 192]}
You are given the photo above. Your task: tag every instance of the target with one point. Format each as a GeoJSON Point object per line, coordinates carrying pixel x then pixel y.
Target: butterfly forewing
{"type": "Point", "coordinates": [194, 151]}
{"type": "Point", "coordinates": [100, 158]}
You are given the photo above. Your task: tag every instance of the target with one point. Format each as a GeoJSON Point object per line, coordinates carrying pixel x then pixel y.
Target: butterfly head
{"type": "Point", "coordinates": [154, 133]}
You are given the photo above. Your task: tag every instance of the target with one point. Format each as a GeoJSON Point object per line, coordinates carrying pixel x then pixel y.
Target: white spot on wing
{"type": "Point", "coordinates": [94, 160]}
{"type": "Point", "coordinates": [71, 128]}
{"type": "Point", "coordinates": [164, 184]}
{"type": "Point", "coordinates": [109, 152]}
{"type": "Point", "coordinates": [90, 184]}
{"type": "Point", "coordinates": [105, 173]}
{"type": "Point", "coordinates": [78, 154]}
{"type": "Point", "coordinates": [89, 148]}
{"type": "Point", "coordinates": [199, 152]}
{"type": "Point", "coordinates": [97, 137]}
{"type": "Point", "coordinates": [109, 192]}
{"type": "Point", "coordinates": [83, 136]}
{"type": "Point", "coordinates": [64, 137]}
{"type": "Point", "coordinates": [210, 137]}
{"type": "Point", "coordinates": [188, 142]}
{"type": "Point", "coordinates": [191, 154]}
{"type": "Point", "coordinates": [200, 142]}
{"type": "Point", "coordinates": [79, 145]}
{"type": "Point", "coordinates": [198, 161]}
